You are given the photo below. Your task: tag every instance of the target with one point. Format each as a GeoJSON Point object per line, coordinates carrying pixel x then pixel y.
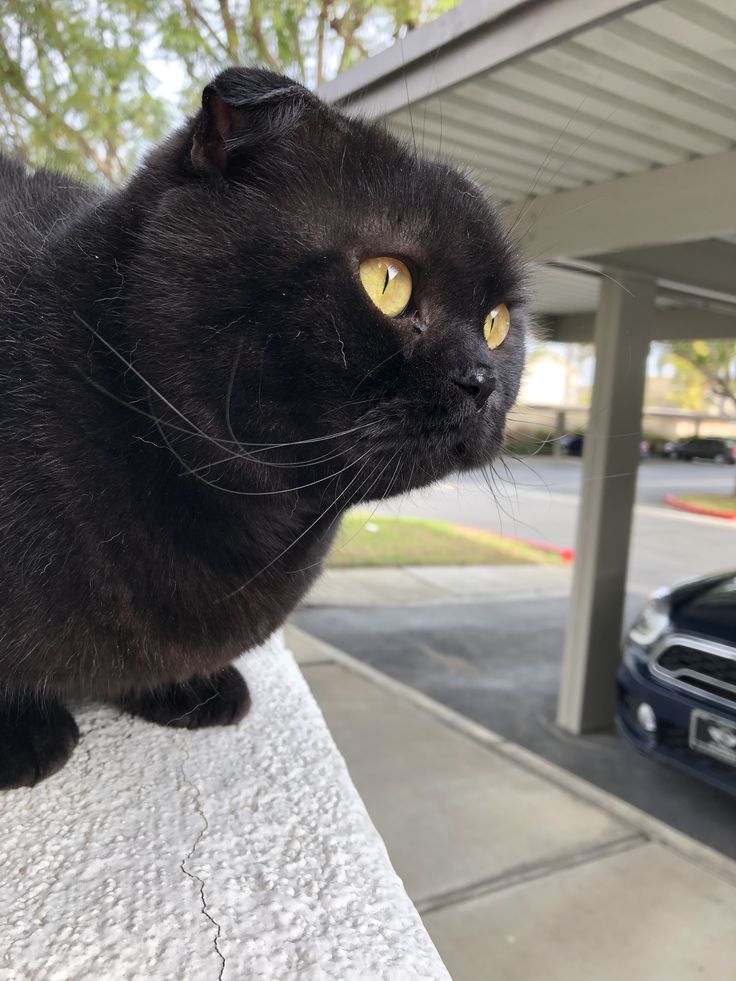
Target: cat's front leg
{"type": "Point", "coordinates": [218, 699]}
{"type": "Point", "coordinates": [37, 737]}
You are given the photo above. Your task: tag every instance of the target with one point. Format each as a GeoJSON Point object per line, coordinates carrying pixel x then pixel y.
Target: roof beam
{"type": "Point", "coordinates": [708, 265]}
{"type": "Point", "coordinates": [680, 203]}
{"type": "Point", "coordinates": [474, 37]}
{"type": "Point", "coordinates": [689, 323]}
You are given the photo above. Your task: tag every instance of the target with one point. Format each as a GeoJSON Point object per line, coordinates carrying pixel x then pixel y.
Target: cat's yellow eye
{"type": "Point", "coordinates": [496, 326]}
{"type": "Point", "coordinates": [387, 282]}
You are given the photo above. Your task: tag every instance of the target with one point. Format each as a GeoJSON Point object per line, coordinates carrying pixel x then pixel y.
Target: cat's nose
{"type": "Point", "coordinates": [477, 382]}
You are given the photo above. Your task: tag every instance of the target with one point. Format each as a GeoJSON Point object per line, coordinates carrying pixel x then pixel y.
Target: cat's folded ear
{"type": "Point", "coordinates": [241, 109]}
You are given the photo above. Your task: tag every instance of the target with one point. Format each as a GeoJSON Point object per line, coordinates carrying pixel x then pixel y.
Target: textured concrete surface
{"type": "Point", "coordinates": [644, 913]}
{"type": "Point", "coordinates": [235, 853]}
{"type": "Point", "coordinates": [445, 823]}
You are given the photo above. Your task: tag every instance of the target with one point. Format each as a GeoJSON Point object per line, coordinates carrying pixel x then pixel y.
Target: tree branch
{"type": "Point", "coordinates": [18, 83]}
{"type": "Point", "coordinates": [196, 16]}
{"type": "Point", "coordinates": [321, 28]}
{"type": "Point", "coordinates": [231, 31]}
{"type": "Point", "coordinates": [256, 30]}
{"type": "Point", "coordinates": [716, 384]}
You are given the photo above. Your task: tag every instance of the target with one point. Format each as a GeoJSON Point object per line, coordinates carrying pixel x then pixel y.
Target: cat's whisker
{"type": "Point", "coordinates": [325, 458]}
{"type": "Point", "coordinates": [244, 493]}
{"type": "Point", "coordinates": [299, 537]}
{"type": "Point", "coordinates": [131, 367]}
{"type": "Point", "coordinates": [196, 431]}
{"type": "Point", "coordinates": [229, 392]}
{"type": "Point", "coordinates": [134, 408]}
{"type": "Point", "coordinates": [264, 447]}
{"type": "Point", "coordinates": [362, 493]}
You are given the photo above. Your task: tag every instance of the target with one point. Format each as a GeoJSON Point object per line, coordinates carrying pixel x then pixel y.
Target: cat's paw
{"type": "Point", "coordinates": [36, 740]}
{"type": "Point", "coordinates": [220, 699]}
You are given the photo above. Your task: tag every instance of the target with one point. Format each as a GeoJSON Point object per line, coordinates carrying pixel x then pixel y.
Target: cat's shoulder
{"type": "Point", "coordinates": [32, 201]}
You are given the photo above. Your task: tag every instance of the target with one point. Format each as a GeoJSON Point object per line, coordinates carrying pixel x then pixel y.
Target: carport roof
{"type": "Point", "coordinates": [618, 117]}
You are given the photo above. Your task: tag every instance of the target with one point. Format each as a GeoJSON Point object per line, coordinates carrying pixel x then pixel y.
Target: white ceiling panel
{"type": "Point", "coordinates": [650, 88]}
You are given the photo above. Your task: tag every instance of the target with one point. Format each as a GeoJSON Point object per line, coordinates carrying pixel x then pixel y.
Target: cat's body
{"type": "Point", "coordinates": [106, 549]}
{"type": "Point", "coordinates": [193, 388]}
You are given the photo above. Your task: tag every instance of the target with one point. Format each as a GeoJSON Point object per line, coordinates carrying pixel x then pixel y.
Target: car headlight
{"type": "Point", "coordinates": [653, 620]}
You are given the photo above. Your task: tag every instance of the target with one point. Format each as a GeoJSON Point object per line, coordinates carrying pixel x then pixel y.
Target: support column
{"type": "Point", "coordinates": [611, 456]}
{"type": "Point", "coordinates": [559, 433]}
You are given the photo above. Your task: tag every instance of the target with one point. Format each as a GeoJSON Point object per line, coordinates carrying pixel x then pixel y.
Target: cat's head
{"type": "Point", "coordinates": [302, 276]}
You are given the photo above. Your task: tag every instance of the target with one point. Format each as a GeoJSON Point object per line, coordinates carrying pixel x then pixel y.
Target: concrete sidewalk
{"type": "Point", "coordinates": [399, 585]}
{"type": "Point", "coordinates": [520, 869]}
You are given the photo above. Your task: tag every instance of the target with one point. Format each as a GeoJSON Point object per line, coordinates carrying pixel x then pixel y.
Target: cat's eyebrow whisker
{"type": "Point", "coordinates": [542, 166]}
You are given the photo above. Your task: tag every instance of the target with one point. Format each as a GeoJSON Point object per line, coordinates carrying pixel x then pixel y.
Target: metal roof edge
{"type": "Point", "coordinates": [468, 17]}
{"type": "Point", "coordinates": [534, 24]}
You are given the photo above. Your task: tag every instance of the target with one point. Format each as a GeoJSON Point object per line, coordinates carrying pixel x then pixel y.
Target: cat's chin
{"type": "Point", "coordinates": [421, 467]}
{"type": "Point", "coordinates": [472, 455]}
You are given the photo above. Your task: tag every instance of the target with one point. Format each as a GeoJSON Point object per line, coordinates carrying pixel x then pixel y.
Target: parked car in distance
{"type": "Point", "coordinates": [572, 445]}
{"type": "Point", "coordinates": [676, 686]}
{"type": "Point", "coordinates": [703, 448]}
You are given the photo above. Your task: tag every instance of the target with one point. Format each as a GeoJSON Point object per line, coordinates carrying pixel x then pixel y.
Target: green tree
{"type": "Point", "coordinates": [75, 88]}
{"type": "Point", "coordinates": [705, 368]}
{"type": "Point", "coordinates": [80, 80]}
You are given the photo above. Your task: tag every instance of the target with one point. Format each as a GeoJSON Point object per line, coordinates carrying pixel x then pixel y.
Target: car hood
{"type": "Point", "coordinates": [711, 611]}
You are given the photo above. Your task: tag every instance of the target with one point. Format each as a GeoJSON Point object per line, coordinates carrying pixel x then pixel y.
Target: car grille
{"type": "Point", "coordinates": [709, 669]}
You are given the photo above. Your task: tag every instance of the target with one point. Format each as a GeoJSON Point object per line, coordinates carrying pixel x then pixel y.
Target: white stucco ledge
{"type": "Point", "coordinates": [233, 853]}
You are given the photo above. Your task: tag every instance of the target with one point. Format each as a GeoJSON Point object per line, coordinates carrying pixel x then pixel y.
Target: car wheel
{"type": "Point", "coordinates": [719, 458]}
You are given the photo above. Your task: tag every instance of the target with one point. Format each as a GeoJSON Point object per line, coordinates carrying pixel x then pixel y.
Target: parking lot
{"type": "Point", "coordinates": [497, 660]}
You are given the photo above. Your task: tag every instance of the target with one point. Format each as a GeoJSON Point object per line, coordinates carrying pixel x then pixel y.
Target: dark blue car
{"type": "Point", "coordinates": [677, 680]}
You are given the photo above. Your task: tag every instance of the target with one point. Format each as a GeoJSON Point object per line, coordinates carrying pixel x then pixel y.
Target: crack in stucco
{"type": "Point", "coordinates": [193, 875]}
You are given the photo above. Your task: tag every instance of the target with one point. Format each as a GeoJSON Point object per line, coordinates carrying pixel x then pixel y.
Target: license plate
{"type": "Point", "coordinates": [713, 736]}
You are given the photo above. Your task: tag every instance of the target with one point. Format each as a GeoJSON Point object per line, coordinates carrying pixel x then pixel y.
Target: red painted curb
{"type": "Point", "coordinates": [566, 554]}
{"type": "Point", "coordinates": [675, 502]}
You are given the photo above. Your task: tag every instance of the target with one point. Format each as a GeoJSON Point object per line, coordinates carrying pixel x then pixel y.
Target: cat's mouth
{"type": "Point", "coordinates": [415, 450]}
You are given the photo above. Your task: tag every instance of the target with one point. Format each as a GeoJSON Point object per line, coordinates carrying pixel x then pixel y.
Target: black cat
{"type": "Point", "coordinates": [285, 311]}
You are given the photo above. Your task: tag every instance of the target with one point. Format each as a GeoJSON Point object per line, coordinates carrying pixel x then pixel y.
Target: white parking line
{"type": "Point", "coordinates": [651, 510]}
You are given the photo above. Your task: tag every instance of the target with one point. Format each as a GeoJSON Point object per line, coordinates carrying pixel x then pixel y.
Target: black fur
{"type": "Point", "coordinates": [194, 386]}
